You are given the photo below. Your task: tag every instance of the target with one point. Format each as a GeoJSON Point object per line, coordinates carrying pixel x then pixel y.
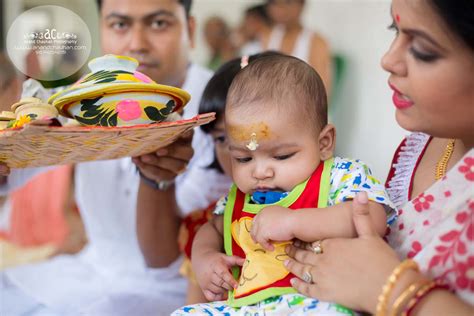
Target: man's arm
{"type": "Point", "coordinates": [158, 217]}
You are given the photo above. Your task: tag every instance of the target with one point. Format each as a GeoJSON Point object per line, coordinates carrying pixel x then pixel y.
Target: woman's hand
{"type": "Point", "coordinates": [350, 272]}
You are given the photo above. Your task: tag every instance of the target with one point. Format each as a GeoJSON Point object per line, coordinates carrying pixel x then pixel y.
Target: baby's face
{"type": "Point", "coordinates": [274, 152]}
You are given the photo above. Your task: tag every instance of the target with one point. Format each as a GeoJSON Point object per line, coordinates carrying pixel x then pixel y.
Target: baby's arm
{"type": "Point", "coordinates": [348, 177]}
{"type": "Point", "coordinates": [313, 224]}
{"type": "Point", "coordinates": [276, 223]}
{"type": "Point", "coordinates": [210, 264]}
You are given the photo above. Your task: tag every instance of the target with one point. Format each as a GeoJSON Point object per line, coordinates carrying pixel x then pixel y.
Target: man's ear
{"type": "Point", "coordinates": [327, 142]}
{"type": "Point", "coordinates": [192, 30]}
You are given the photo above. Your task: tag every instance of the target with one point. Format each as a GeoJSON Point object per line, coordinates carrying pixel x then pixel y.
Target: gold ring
{"type": "Point", "coordinates": [307, 277]}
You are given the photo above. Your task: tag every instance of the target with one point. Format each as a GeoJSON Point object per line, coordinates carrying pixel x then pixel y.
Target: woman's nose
{"type": "Point", "coordinates": [393, 60]}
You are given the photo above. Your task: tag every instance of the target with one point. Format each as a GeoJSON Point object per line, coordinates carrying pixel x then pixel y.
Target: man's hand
{"type": "Point", "coordinates": [168, 162]}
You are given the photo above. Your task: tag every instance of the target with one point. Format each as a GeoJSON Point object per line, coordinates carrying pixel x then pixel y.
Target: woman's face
{"type": "Point", "coordinates": [285, 11]}
{"type": "Point", "coordinates": [222, 146]}
{"type": "Point", "coordinates": [431, 73]}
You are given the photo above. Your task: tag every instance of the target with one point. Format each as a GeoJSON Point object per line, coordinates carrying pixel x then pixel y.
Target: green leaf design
{"type": "Point", "coordinates": [89, 104]}
{"type": "Point", "coordinates": [169, 108]}
{"type": "Point", "coordinates": [113, 120]}
{"type": "Point", "coordinates": [95, 114]}
{"type": "Point", "coordinates": [103, 76]}
{"type": "Point", "coordinates": [153, 114]}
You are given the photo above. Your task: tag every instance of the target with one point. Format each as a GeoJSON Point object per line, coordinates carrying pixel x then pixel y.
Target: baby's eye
{"type": "Point", "coordinates": [284, 157]}
{"type": "Point", "coordinates": [243, 160]}
{"type": "Point", "coordinates": [220, 139]}
{"type": "Point", "coordinates": [260, 250]}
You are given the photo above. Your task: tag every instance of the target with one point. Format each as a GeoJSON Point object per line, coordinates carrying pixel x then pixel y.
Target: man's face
{"type": "Point", "coordinates": [155, 32]}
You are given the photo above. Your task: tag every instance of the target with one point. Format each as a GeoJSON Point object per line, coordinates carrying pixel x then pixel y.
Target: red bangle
{"type": "Point", "coordinates": [422, 293]}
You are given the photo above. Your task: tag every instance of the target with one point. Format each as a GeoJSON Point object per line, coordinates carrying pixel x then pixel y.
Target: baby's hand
{"type": "Point", "coordinates": [213, 275]}
{"type": "Point", "coordinates": [273, 223]}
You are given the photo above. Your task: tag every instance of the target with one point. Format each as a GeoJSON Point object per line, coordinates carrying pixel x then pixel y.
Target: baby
{"type": "Point", "coordinates": [287, 186]}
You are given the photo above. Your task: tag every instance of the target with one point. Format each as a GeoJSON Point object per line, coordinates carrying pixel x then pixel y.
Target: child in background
{"type": "Point", "coordinates": [288, 186]}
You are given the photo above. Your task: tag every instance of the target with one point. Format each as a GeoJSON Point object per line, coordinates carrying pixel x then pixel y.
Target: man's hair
{"type": "Point", "coordinates": [185, 3]}
{"type": "Point", "coordinates": [284, 82]}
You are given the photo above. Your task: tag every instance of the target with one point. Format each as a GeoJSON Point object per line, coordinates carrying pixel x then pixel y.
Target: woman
{"type": "Point", "coordinates": [431, 66]}
{"type": "Point", "coordinates": [289, 36]}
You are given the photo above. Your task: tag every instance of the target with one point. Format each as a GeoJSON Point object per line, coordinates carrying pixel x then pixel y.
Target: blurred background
{"type": "Point", "coordinates": [356, 31]}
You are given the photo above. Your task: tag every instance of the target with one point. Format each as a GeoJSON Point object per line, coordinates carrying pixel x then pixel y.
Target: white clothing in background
{"type": "Point", "coordinates": [302, 46]}
{"type": "Point", "coordinates": [109, 277]}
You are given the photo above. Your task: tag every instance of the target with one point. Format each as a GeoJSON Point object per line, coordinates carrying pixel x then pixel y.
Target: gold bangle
{"type": "Point", "coordinates": [381, 308]}
{"type": "Point", "coordinates": [409, 292]}
{"type": "Point", "coordinates": [419, 294]}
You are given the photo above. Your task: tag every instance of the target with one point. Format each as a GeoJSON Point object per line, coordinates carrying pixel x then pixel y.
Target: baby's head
{"type": "Point", "coordinates": [276, 122]}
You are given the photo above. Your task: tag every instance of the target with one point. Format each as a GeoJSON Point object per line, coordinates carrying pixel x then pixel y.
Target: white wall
{"type": "Point", "coordinates": [362, 111]}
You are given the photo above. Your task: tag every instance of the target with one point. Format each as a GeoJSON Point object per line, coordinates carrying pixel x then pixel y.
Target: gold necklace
{"type": "Point", "coordinates": [443, 161]}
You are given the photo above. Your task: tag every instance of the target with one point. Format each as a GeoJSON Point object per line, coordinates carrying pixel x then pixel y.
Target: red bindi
{"type": "Point", "coordinates": [397, 18]}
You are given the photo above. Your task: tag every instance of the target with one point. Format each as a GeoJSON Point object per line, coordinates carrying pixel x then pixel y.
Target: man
{"type": "Point", "coordinates": [110, 276]}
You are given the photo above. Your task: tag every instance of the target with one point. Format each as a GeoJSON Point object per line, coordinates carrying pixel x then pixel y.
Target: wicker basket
{"type": "Point", "coordinates": [35, 146]}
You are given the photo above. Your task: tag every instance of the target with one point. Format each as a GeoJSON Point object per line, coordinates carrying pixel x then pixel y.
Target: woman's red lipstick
{"type": "Point", "coordinates": [398, 100]}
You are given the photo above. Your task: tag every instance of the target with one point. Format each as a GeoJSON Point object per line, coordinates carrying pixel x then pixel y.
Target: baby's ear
{"type": "Point", "coordinates": [327, 142]}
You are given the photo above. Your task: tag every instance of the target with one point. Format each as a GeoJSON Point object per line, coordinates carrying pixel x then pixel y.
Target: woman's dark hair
{"type": "Point", "coordinates": [260, 11]}
{"type": "Point", "coordinates": [185, 3]}
{"type": "Point", "coordinates": [458, 16]}
{"type": "Point", "coordinates": [214, 96]}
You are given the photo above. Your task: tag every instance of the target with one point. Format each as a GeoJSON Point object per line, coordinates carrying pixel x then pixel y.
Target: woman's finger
{"type": "Point", "coordinates": [301, 255]}
{"type": "Point", "coordinates": [310, 290]}
{"type": "Point", "coordinates": [361, 216]}
{"type": "Point", "coordinates": [299, 269]}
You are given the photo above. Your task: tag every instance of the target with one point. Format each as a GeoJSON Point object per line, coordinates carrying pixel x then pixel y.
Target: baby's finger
{"type": "Point", "coordinates": [229, 280]}
{"type": "Point", "coordinates": [232, 261]}
{"type": "Point", "coordinates": [211, 296]}
{"type": "Point", "coordinates": [266, 244]}
{"type": "Point", "coordinates": [217, 284]}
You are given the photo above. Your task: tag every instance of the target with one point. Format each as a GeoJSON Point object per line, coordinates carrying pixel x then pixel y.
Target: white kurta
{"type": "Point", "coordinates": [109, 277]}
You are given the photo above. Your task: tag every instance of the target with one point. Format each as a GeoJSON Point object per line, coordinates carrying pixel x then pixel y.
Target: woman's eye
{"type": "Point", "coordinates": [243, 160]}
{"type": "Point", "coordinates": [425, 57]}
{"type": "Point", "coordinates": [283, 157]}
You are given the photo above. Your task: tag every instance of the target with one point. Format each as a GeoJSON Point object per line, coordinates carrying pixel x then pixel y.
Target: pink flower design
{"type": "Point", "coordinates": [128, 110]}
{"type": "Point", "coordinates": [468, 168]}
{"type": "Point", "coordinates": [416, 248]}
{"type": "Point", "coordinates": [142, 77]}
{"type": "Point", "coordinates": [422, 202]}
{"type": "Point", "coordinates": [465, 274]}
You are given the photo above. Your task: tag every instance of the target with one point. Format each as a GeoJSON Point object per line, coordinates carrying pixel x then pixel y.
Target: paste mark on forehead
{"type": "Point", "coordinates": [397, 18]}
{"type": "Point", "coordinates": [242, 133]}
